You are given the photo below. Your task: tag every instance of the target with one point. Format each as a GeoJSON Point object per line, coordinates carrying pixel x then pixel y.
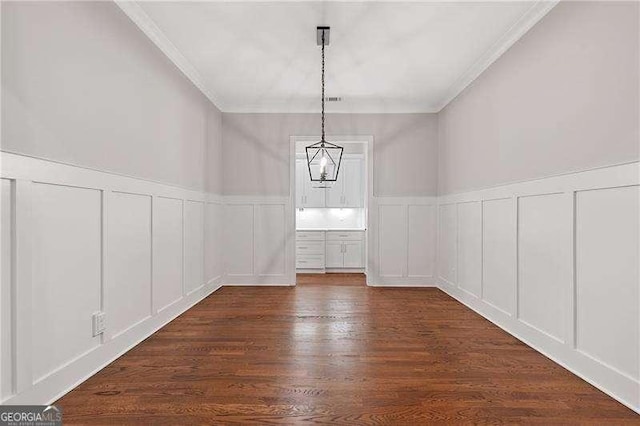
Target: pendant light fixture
{"type": "Point", "coordinates": [323, 158]}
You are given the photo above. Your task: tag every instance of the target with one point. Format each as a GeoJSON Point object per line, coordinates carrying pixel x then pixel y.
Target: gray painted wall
{"type": "Point", "coordinates": [81, 84]}
{"type": "Point", "coordinates": [256, 150]}
{"type": "Point", "coordinates": [563, 98]}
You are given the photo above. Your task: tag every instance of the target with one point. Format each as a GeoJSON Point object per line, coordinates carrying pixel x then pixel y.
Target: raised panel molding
{"type": "Point", "coordinates": [271, 232]}
{"type": "Point", "coordinates": [239, 240]}
{"type": "Point", "coordinates": [392, 248]}
{"type": "Point", "coordinates": [421, 245]}
{"type": "Point", "coordinates": [128, 284]}
{"type": "Point", "coordinates": [193, 245]}
{"type": "Point", "coordinates": [607, 277]}
{"type": "Point", "coordinates": [499, 254]}
{"type": "Point", "coordinates": [214, 242]}
{"type": "Point", "coordinates": [469, 259]}
{"type": "Point", "coordinates": [259, 241]}
{"type": "Point", "coordinates": [447, 243]}
{"type": "Point", "coordinates": [6, 289]}
{"type": "Point", "coordinates": [83, 241]}
{"type": "Point", "coordinates": [67, 274]}
{"type": "Point", "coordinates": [560, 268]}
{"type": "Point", "coordinates": [544, 263]}
{"type": "Point", "coordinates": [402, 243]}
{"type": "Point", "coordinates": [53, 202]}
{"type": "Point", "coordinates": [168, 260]}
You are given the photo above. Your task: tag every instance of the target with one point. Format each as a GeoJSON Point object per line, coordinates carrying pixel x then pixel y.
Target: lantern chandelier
{"type": "Point", "coordinates": [323, 158]}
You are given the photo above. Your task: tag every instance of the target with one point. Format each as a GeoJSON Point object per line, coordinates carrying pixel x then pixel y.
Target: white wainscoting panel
{"type": "Point", "coordinates": [392, 248]}
{"type": "Point", "coordinates": [6, 284]}
{"type": "Point", "coordinates": [259, 241]}
{"type": "Point", "coordinates": [607, 278]}
{"type": "Point", "coordinates": [421, 247]}
{"type": "Point", "coordinates": [469, 262]}
{"type": "Point", "coordinates": [193, 245]}
{"type": "Point", "coordinates": [401, 241]}
{"type": "Point", "coordinates": [499, 254]}
{"type": "Point", "coordinates": [81, 241]}
{"type": "Point", "coordinates": [271, 240]}
{"type": "Point", "coordinates": [560, 269]}
{"type": "Point", "coordinates": [67, 274]}
{"type": "Point", "coordinates": [544, 262]}
{"type": "Point", "coordinates": [128, 271]}
{"type": "Point", "coordinates": [553, 261]}
{"type": "Point", "coordinates": [214, 241]}
{"type": "Point", "coordinates": [239, 239]}
{"type": "Point", "coordinates": [167, 251]}
{"type": "Point", "coordinates": [447, 242]}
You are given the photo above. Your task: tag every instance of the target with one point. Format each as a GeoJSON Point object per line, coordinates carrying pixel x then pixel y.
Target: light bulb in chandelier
{"type": "Point", "coordinates": [323, 167]}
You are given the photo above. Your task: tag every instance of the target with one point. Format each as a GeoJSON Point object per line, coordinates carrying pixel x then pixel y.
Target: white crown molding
{"type": "Point", "coordinates": [534, 14]}
{"type": "Point", "coordinates": [139, 17]}
{"type": "Point", "coordinates": [531, 17]}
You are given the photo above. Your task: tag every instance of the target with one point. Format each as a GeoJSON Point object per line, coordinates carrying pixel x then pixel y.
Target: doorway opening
{"type": "Point", "coordinates": [331, 223]}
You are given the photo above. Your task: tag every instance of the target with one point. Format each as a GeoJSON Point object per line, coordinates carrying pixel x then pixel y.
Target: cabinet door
{"type": "Point", "coordinates": [353, 254]}
{"type": "Point", "coordinates": [314, 196]}
{"type": "Point", "coordinates": [301, 174]}
{"type": "Point", "coordinates": [334, 257]}
{"type": "Point", "coordinates": [335, 194]}
{"type": "Point", "coordinates": [353, 189]}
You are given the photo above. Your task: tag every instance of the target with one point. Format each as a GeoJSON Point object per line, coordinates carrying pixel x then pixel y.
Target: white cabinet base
{"type": "Point", "coordinates": [330, 251]}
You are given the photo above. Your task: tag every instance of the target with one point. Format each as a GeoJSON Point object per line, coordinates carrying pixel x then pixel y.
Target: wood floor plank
{"type": "Point", "coordinates": [333, 351]}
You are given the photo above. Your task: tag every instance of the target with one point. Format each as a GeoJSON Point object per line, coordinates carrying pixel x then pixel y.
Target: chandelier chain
{"type": "Point", "coordinates": [322, 86]}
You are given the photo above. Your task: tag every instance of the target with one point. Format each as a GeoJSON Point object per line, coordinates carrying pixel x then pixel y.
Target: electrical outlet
{"type": "Point", "coordinates": [99, 323]}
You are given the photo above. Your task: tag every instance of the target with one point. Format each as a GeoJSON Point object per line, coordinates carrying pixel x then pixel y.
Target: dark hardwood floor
{"type": "Point", "coordinates": [333, 353]}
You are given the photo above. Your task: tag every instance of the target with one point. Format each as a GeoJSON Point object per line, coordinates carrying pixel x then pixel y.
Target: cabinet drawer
{"type": "Point", "coordinates": [345, 235]}
{"type": "Point", "coordinates": [309, 247]}
{"type": "Point", "coordinates": [309, 235]}
{"type": "Point", "coordinates": [310, 261]}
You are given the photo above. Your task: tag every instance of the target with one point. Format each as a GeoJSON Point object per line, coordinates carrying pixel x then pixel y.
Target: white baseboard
{"type": "Point", "coordinates": [259, 284]}
{"type": "Point", "coordinates": [404, 282]}
{"type": "Point", "coordinates": [253, 280]}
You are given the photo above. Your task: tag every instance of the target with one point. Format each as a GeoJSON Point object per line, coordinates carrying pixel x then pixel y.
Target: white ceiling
{"type": "Point", "coordinates": [383, 57]}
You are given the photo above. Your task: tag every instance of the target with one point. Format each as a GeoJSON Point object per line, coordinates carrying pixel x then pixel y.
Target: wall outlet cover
{"type": "Point", "coordinates": [99, 323]}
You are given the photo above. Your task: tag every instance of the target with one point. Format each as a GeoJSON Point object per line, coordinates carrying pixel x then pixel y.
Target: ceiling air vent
{"type": "Point", "coordinates": [333, 99]}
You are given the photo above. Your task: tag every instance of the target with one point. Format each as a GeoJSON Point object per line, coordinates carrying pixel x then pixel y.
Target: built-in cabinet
{"type": "Point", "coordinates": [345, 249]}
{"type": "Point", "coordinates": [310, 250]}
{"type": "Point", "coordinates": [306, 194]}
{"type": "Point", "coordinates": [327, 250]}
{"type": "Point", "coordinates": [347, 191]}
